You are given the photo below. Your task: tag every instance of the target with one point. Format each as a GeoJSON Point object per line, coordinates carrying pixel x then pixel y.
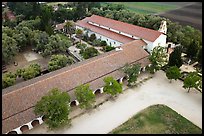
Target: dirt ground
{"type": "Point", "coordinates": [187, 15]}
{"type": "Point", "coordinates": [157, 90]}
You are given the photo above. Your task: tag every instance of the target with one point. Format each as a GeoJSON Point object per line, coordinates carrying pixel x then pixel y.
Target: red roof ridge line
{"type": "Point", "coordinates": [128, 23]}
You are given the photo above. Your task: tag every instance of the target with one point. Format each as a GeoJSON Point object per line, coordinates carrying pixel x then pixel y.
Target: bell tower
{"type": "Point", "coordinates": [163, 27]}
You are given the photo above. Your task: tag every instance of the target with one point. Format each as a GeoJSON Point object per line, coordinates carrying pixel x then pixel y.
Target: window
{"type": "Point", "coordinates": [119, 32]}
{"type": "Point", "coordinates": [114, 42]}
{"type": "Point", "coordinates": [107, 39]}
{"type": "Point", "coordinates": [132, 36]}
{"type": "Point", "coordinates": [109, 28]}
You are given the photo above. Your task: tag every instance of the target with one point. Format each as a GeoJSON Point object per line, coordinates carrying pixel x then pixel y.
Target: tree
{"type": "Point", "coordinates": [69, 28]}
{"type": "Point", "coordinates": [199, 56]}
{"type": "Point", "coordinates": [55, 107]}
{"type": "Point", "coordinates": [173, 73]}
{"type": "Point", "coordinates": [89, 52]}
{"type": "Point", "coordinates": [81, 46]}
{"type": "Point", "coordinates": [191, 81]}
{"type": "Point", "coordinates": [84, 96]}
{"type": "Point", "coordinates": [8, 79]}
{"type": "Point", "coordinates": [31, 71]}
{"type": "Point", "coordinates": [9, 48]}
{"type": "Point", "coordinates": [92, 37]}
{"type": "Point", "coordinates": [132, 72]}
{"type": "Point", "coordinates": [175, 57]}
{"type": "Point", "coordinates": [57, 62]}
{"type": "Point", "coordinates": [158, 59]}
{"type": "Point", "coordinates": [103, 43]}
{"type": "Point", "coordinates": [41, 39]}
{"type": "Point", "coordinates": [56, 44]}
{"type": "Point", "coordinates": [192, 49]}
{"type": "Point", "coordinates": [111, 86]}
{"type": "Point", "coordinates": [79, 33]}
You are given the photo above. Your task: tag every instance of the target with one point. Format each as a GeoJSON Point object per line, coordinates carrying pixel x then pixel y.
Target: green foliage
{"type": "Point", "coordinates": [81, 46]}
{"type": "Point", "coordinates": [8, 79]}
{"type": "Point", "coordinates": [158, 58]}
{"type": "Point", "coordinates": [111, 86]}
{"type": "Point", "coordinates": [69, 27]}
{"type": "Point", "coordinates": [89, 52]}
{"type": "Point", "coordinates": [9, 48]}
{"type": "Point", "coordinates": [103, 43]}
{"type": "Point", "coordinates": [132, 72]}
{"type": "Point", "coordinates": [79, 33]}
{"type": "Point", "coordinates": [191, 81]}
{"type": "Point", "coordinates": [193, 49]}
{"type": "Point", "coordinates": [199, 56]}
{"type": "Point", "coordinates": [92, 37]}
{"type": "Point", "coordinates": [96, 42]}
{"type": "Point", "coordinates": [30, 72]}
{"type": "Point", "coordinates": [56, 44]}
{"type": "Point", "coordinates": [175, 57]}
{"type": "Point", "coordinates": [108, 48]}
{"type": "Point", "coordinates": [55, 107]}
{"type": "Point", "coordinates": [58, 61]}
{"type": "Point", "coordinates": [84, 96]}
{"type": "Point", "coordinates": [173, 73]}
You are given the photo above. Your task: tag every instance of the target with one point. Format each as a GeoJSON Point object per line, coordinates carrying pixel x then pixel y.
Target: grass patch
{"type": "Point", "coordinates": [157, 119]}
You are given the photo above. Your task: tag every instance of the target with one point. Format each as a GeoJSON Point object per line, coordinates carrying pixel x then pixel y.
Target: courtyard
{"type": "Point", "coordinates": [111, 114]}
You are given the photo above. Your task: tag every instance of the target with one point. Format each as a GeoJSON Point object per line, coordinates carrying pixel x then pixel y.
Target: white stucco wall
{"type": "Point", "coordinates": [160, 41]}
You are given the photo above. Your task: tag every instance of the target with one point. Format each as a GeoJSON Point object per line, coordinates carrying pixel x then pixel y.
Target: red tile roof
{"type": "Point", "coordinates": [144, 33]}
{"type": "Point", "coordinates": [112, 35]}
{"type": "Point", "coordinates": [18, 101]}
{"type": "Point", "coordinates": [60, 26]}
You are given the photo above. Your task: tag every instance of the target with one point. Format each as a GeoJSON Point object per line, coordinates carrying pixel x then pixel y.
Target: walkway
{"type": "Point", "coordinates": [111, 114]}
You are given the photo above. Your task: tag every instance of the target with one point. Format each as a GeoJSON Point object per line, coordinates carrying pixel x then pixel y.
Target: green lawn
{"type": "Point", "coordinates": [157, 119]}
{"type": "Point", "coordinates": [148, 7]}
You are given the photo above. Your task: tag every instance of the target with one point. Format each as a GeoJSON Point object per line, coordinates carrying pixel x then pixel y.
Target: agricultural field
{"type": "Point", "coordinates": [149, 7]}
{"type": "Point", "coordinates": [187, 15]}
{"type": "Point", "coordinates": [157, 119]}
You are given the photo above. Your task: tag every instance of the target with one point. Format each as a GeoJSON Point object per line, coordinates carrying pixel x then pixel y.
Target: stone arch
{"type": "Point", "coordinates": [44, 118]}
{"type": "Point", "coordinates": [97, 92]}
{"type": "Point", "coordinates": [24, 128]}
{"type": "Point", "coordinates": [118, 80]}
{"type": "Point", "coordinates": [35, 122]}
{"type": "Point", "coordinates": [73, 103]}
{"type": "Point", "coordinates": [12, 132]}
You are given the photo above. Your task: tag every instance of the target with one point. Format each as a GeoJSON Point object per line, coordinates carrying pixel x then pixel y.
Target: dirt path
{"type": "Point", "coordinates": [111, 114]}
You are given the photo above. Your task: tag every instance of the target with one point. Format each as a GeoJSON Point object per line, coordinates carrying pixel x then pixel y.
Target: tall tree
{"type": "Point", "coordinates": [79, 34]}
{"type": "Point", "coordinates": [132, 72]}
{"type": "Point", "coordinates": [84, 96]}
{"type": "Point", "coordinates": [55, 107]}
{"type": "Point", "coordinates": [69, 28]}
{"type": "Point", "coordinates": [173, 73]}
{"type": "Point", "coordinates": [158, 59]}
{"type": "Point", "coordinates": [192, 49]}
{"type": "Point", "coordinates": [199, 56]}
{"type": "Point", "coordinates": [9, 48]}
{"type": "Point", "coordinates": [111, 86]}
{"type": "Point", "coordinates": [175, 57]}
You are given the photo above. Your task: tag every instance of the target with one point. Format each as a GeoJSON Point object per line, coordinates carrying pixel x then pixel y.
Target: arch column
{"type": "Point", "coordinates": [121, 80]}
{"type": "Point", "coordinates": [144, 69]}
